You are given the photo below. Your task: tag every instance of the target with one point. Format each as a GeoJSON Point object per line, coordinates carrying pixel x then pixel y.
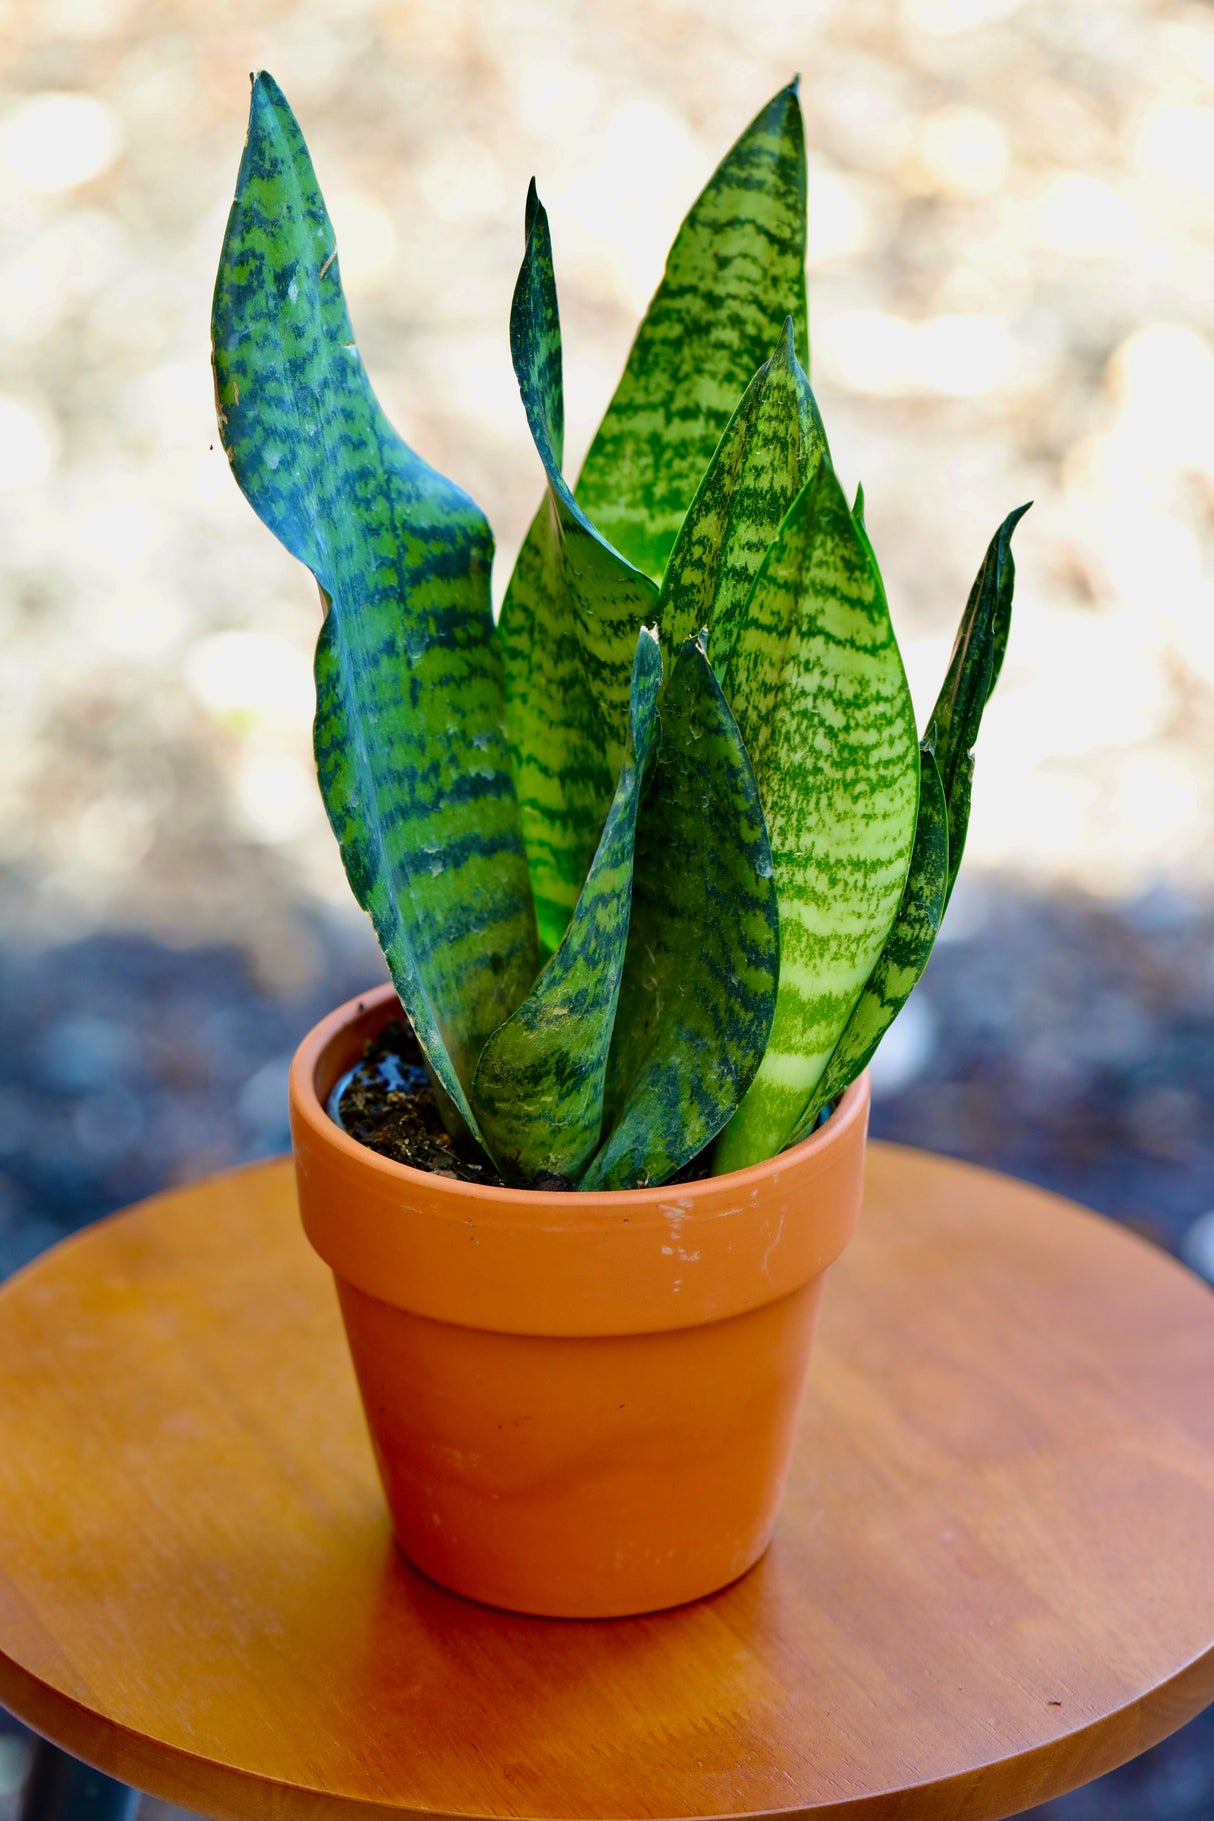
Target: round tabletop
{"type": "Point", "coordinates": [990, 1580]}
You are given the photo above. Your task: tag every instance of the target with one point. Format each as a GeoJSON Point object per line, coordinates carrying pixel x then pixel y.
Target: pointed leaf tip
{"type": "Point", "coordinates": [270, 112]}
{"type": "Point", "coordinates": [771, 444]}
{"type": "Point", "coordinates": [736, 269]}
{"type": "Point", "coordinates": [533, 204]}
{"type": "Point", "coordinates": [973, 672]}
{"type": "Point", "coordinates": [785, 104]}
{"type": "Point", "coordinates": [827, 718]}
{"type": "Point", "coordinates": [568, 627]}
{"type": "Point", "coordinates": [425, 812]}
{"type": "Point", "coordinates": [265, 88]}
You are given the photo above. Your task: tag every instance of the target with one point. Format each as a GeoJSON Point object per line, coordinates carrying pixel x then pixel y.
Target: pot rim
{"type": "Point", "coordinates": [308, 1107]}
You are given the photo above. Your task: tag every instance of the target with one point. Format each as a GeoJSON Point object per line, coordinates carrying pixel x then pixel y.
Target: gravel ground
{"type": "Point", "coordinates": [1011, 274]}
{"type": "Point", "coordinates": [1066, 1041]}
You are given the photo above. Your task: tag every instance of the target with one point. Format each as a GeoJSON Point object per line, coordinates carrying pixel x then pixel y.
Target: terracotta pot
{"type": "Point", "coordinates": [581, 1405]}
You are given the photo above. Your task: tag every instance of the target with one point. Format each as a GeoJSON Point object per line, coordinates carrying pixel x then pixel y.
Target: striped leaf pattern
{"type": "Point", "coordinates": [540, 1083]}
{"type": "Point", "coordinates": [972, 674]}
{"type": "Point", "coordinates": [687, 754]}
{"type": "Point", "coordinates": [771, 447]}
{"type": "Point", "coordinates": [906, 951]}
{"type": "Point", "coordinates": [699, 986]}
{"type": "Point", "coordinates": [410, 723]}
{"type": "Point", "coordinates": [568, 626]}
{"type": "Point", "coordinates": [735, 271]}
{"type": "Point", "coordinates": [819, 692]}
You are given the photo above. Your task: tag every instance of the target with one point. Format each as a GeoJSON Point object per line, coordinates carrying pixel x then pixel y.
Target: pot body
{"type": "Point", "coordinates": [581, 1405]}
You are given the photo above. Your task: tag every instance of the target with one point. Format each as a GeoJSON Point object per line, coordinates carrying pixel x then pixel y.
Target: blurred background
{"type": "Point", "coordinates": [1012, 297]}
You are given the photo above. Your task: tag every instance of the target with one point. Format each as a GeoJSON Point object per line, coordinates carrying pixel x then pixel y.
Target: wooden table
{"type": "Point", "coordinates": [992, 1578]}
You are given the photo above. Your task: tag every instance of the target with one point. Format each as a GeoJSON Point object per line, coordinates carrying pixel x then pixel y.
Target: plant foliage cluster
{"type": "Point", "coordinates": [655, 860]}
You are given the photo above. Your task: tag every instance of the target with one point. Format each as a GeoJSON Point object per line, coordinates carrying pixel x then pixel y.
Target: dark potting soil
{"type": "Point", "coordinates": [387, 1103]}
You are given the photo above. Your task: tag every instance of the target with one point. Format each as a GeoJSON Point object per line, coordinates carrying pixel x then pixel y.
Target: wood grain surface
{"type": "Point", "coordinates": [991, 1580]}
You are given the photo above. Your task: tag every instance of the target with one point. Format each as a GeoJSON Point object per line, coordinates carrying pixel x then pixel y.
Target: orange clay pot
{"type": "Point", "coordinates": [581, 1405]}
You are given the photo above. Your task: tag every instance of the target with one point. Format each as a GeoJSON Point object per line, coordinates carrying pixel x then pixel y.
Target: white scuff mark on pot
{"type": "Point", "coordinates": [459, 1457]}
{"type": "Point", "coordinates": [667, 1251]}
{"type": "Point", "coordinates": [771, 1248]}
{"type": "Point", "coordinates": [677, 1219]}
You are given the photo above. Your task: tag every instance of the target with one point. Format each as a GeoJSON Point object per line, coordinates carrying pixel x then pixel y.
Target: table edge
{"type": "Point", "coordinates": [1136, 1240]}
{"type": "Point", "coordinates": [171, 1773]}
{"type": "Point", "coordinates": [225, 1793]}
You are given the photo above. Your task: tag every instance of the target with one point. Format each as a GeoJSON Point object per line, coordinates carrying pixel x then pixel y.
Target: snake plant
{"type": "Point", "coordinates": [655, 859]}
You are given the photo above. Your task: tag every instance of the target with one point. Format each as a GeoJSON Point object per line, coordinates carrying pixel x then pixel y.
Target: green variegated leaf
{"type": "Point", "coordinates": [539, 1085]}
{"type": "Point", "coordinates": [972, 674]}
{"type": "Point", "coordinates": [772, 445]}
{"type": "Point", "coordinates": [1004, 585]}
{"type": "Point", "coordinates": [735, 271]}
{"type": "Point", "coordinates": [974, 670]}
{"type": "Point", "coordinates": [700, 977]}
{"type": "Point", "coordinates": [568, 626]}
{"type": "Point", "coordinates": [906, 950]}
{"type": "Point", "coordinates": [410, 733]}
{"type": "Point", "coordinates": [820, 695]}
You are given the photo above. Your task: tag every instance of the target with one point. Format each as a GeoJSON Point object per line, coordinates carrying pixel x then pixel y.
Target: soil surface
{"type": "Point", "coordinates": [388, 1104]}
